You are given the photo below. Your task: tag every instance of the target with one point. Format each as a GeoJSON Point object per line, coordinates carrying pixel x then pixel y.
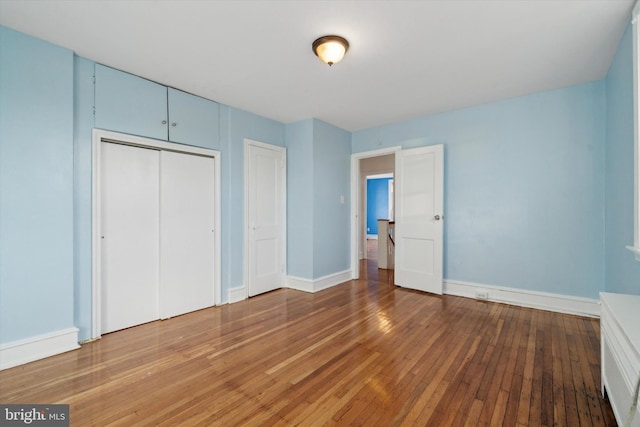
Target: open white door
{"type": "Point", "coordinates": [419, 205]}
{"type": "Point", "coordinates": [265, 198]}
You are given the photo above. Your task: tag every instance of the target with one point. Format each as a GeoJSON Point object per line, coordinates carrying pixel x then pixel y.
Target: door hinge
{"type": "Point", "coordinates": [94, 79]}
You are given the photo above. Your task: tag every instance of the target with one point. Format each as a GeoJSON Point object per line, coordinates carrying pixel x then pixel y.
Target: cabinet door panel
{"type": "Point", "coordinates": [130, 104]}
{"type": "Point", "coordinates": [193, 120]}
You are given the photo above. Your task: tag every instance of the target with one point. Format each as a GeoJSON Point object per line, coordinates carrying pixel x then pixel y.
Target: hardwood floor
{"type": "Point", "coordinates": [361, 353]}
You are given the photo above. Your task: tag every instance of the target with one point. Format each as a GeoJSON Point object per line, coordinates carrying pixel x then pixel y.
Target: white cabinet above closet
{"type": "Point", "coordinates": [192, 120]}
{"type": "Point", "coordinates": [130, 104]}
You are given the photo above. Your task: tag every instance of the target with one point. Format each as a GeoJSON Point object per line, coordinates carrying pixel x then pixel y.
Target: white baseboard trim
{"type": "Point", "coordinates": [372, 237]}
{"type": "Point", "coordinates": [315, 285]}
{"type": "Point", "coordinates": [299, 284]}
{"type": "Point", "coordinates": [27, 350]}
{"type": "Point", "coordinates": [525, 298]}
{"type": "Point", "coordinates": [331, 280]}
{"type": "Point", "coordinates": [237, 294]}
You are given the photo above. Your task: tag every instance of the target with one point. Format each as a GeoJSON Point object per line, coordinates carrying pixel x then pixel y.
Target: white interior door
{"type": "Point", "coordinates": [265, 217]}
{"type": "Point", "coordinates": [187, 239]}
{"type": "Point", "coordinates": [419, 216]}
{"type": "Point", "coordinates": [129, 235]}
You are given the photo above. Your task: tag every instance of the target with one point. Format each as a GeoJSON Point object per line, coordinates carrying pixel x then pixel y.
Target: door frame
{"type": "Point", "coordinates": [99, 136]}
{"type": "Point", "coordinates": [355, 201]}
{"type": "Point", "coordinates": [283, 233]}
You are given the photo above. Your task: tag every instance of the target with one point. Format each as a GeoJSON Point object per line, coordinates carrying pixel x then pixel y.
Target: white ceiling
{"type": "Point", "coordinates": [407, 58]}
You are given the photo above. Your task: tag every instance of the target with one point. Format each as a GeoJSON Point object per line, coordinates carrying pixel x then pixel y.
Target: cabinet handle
{"type": "Point", "coordinates": [174, 124]}
{"type": "Point", "coordinates": [164, 122]}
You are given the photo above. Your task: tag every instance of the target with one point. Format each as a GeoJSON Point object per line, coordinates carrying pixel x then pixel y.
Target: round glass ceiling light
{"type": "Point", "coordinates": [330, 49]}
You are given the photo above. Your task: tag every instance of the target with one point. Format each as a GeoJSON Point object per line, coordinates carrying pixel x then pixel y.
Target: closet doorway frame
{"type": "Point", "coordinates": [100, 136]}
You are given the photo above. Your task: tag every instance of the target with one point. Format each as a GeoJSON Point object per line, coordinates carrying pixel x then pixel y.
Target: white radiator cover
{"type": "Point", "coordinates": [620, 353]}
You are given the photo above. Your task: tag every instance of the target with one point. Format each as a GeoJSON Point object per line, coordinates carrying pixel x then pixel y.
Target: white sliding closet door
{"type": "Point", "coordinates": [187, 214]}
{"type": "Point", "coordinates": [130, 197]}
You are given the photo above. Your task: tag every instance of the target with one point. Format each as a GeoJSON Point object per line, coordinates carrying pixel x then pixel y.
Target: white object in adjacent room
{"type": "Point", "coordinates": [419, 216]}
{"type": "Point", "coordinates": [386, 248]}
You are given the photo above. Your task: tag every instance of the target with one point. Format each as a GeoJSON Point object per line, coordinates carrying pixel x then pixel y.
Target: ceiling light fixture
{"type": "Point", "coordinates": [330, 49]}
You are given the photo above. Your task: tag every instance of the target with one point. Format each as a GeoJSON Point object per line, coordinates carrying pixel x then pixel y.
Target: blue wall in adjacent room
{"type": "Point", "coordinates": [36, 187]}
{"type": "Point", "coordinates": [377, 202]}
{"type": "Point", "coordinates": [524, 188]}
{"type": "Point", "coordinates": [622, 270]}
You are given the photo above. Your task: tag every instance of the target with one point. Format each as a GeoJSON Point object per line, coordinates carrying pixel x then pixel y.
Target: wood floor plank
{"type": "Point", "coordinates": [500, 411]}
{"type": "Point", "coordinates": [455, 379]}
{"type": "Point", "coordinates": [524, 404]}
{"type": "Point", "coordinates": [361, 353]}
{"type": "Point", "coordinates": [515, 388]}
{"type": "Point", "coordinates": [559, 405]}
{"type": "Point", "coordinates": [499, 360]}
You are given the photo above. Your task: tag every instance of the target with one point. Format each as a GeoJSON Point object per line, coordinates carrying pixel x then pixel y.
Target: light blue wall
{"type": "Point", "coordinates": [524, 188]}
{"type": "Point", "coordinates": [377, 202]}
{"type": "Point", "coordinates": [236, 125]}
{"type": "Point", "coordinates": [83, 100]}
{"type": "Point", "coordinates": [331, 168]}
{"type": "Point", "coordinates": [36, 187]}
{"type": "Point", "coordinates": [299, 137]}
{"type": "Point", "coordinates": [622, 271]}
{"type": "Point", "coordinates": [318, 175]}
